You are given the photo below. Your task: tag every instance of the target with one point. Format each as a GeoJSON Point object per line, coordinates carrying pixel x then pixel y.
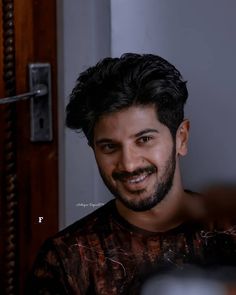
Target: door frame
{"type": "Point", "coordinates": [28, 171]}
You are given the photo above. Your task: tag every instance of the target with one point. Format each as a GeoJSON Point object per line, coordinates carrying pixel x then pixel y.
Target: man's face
{"type": "Point", "coordinates": [136, 156]}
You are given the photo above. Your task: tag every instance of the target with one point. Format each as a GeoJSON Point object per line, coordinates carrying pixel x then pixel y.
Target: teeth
{"type": "Point", "coordinates": [137, 179]}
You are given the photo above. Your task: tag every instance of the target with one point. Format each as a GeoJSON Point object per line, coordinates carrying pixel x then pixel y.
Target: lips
{"type": "Point", "coordinates": [136, 183]}
{"type": "Point", "coordinates": [137, 179]}
{"type": "Point", "coordinates": [124, 176]}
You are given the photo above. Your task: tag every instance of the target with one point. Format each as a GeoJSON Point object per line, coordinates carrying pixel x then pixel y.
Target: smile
{"type": "Point", "coordinates": [137, 179]}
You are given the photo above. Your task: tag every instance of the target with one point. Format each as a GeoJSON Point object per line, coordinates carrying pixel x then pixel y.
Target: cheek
{"type": "Point", "coordinates": [105, 165]}
{"type": "Point", "coordinates": [159, 155]}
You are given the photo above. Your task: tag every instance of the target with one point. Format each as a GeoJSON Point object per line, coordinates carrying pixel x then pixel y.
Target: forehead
{"type": "Point", "coordinates": [127, 122]}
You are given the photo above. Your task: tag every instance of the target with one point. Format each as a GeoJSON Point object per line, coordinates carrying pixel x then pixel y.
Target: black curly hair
{"type": "Point", "coordinates": [117, 83]}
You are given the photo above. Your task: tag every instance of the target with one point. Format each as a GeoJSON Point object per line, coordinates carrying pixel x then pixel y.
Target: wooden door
{"type": "Point", "coordinates": [28, 171]}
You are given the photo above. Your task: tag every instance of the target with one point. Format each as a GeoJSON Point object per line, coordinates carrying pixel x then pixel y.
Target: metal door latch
{"type": "Point", "coordinates": [40, 104]}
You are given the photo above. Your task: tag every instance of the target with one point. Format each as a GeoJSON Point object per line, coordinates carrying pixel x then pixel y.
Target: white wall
{"type": "Point", "coordinates": [197, 36]}
{"type": "Point", "coordinates": [83, 39]}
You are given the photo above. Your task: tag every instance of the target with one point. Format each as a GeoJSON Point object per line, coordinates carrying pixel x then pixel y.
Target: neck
{"type": "Point", "coordinates": [177, 207]}
{"type": "Point", "coordinates": [166, 215]}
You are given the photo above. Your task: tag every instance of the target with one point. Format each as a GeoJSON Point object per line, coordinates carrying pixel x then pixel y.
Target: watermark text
{"type": "Point", "coordinates": [89, 204]}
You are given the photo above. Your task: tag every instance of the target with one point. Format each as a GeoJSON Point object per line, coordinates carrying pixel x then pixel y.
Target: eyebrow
{"type": "Point", "coordinates": [148, 130]}
{"type": "Point", "coordinates": [103, 140]}
{"type": "Point", "coordinates": [143, 132]}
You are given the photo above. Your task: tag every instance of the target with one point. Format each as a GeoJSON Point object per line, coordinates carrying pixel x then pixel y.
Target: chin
{"type": "Point", "coordinates": [142, 205]}
{"type": "Point", "coordinates": [139, 203]}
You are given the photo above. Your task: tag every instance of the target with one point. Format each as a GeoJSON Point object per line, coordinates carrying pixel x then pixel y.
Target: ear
{"type": "Point", "coordinates": [182, 136]}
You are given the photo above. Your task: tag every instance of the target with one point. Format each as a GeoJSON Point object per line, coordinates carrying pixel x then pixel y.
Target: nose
{"type": "Point", "coordinates": [129, 160]}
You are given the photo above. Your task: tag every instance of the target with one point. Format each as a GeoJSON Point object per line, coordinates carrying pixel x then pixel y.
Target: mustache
{"type": "Point", "coordinates": [123, 175]}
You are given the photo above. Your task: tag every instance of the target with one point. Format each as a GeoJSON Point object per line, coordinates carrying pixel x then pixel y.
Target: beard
{"type": "Point", "coordinates": [161, 188]}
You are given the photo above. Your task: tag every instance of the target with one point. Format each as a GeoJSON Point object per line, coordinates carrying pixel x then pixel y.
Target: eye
{"type": "Point", "coordinates": [108, 148]}
{"type": "Point", "coordinates": [145, 139]}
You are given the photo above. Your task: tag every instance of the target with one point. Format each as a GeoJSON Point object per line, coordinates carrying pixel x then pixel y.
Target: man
{"type": "Point", "coordinates": [131, 109]}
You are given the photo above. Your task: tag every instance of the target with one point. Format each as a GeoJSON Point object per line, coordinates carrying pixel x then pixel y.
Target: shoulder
{"type": "Point", "coordinates": [68, 249]}
{"type": "Point", "coordinates": [96, 224]}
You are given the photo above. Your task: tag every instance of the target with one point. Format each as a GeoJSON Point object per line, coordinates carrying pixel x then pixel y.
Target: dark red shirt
{"type": "Point", "coordinates": [104, 254]}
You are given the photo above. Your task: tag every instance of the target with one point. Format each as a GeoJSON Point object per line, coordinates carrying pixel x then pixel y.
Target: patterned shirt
{"type": "Point", "coordinates": [104, 254]}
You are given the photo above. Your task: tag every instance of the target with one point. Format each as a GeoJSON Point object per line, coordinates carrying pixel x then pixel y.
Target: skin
{"type": "Point", "coordinates": [135, 153]}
